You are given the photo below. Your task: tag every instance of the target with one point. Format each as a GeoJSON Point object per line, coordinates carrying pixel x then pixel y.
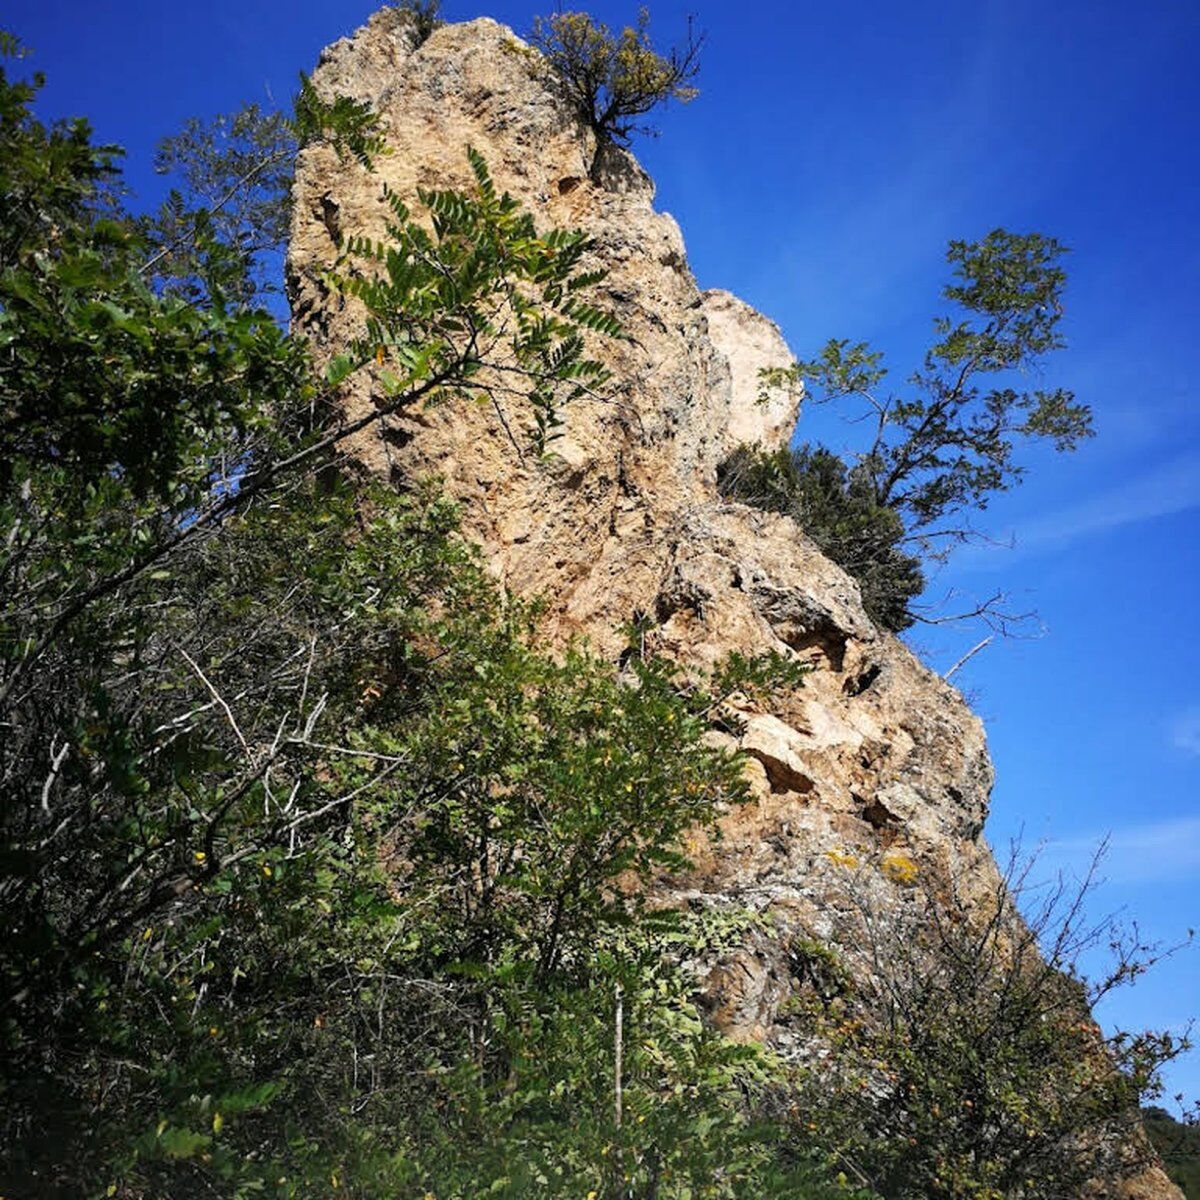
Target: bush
{"type": "Point", "coordinates": [965, 1063]}
{"type": "Point", "coordinates": [425, 17]}
{"type": "Point", "coordinates": [834, 507]}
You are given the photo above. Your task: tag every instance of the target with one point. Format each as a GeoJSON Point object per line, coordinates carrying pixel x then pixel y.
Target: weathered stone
{"type": "Point", "coordinates": [875, 756]}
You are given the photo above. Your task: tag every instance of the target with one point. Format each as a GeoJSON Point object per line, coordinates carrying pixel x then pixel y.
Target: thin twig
{"type": "Point", "coordinates": [219, 699]}
{"type": "Point", "coordinates": [970, 654]}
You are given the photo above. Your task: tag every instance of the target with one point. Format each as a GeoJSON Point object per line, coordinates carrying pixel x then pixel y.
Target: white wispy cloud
{"type": "Point", "coordinates": [1185, 731]}
{"type": "Point", "coordinates": [1173, 487]}
{"type": "Point", "coordinates": [1165, 851]}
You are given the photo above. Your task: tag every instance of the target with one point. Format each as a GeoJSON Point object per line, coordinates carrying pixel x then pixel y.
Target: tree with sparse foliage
{"type": "Point", "coordinates": [614, 80]}
{"type": "Point", "coordinates": [222, 228]}
{"type": "Point", "coordinates": [942, 448]}
{"type": "Point", "coordinates": [232, 183]}
{"type": "Point", "coordinates": [964, 1060]}
{"type": "Point", "coordinates": [947, 444]}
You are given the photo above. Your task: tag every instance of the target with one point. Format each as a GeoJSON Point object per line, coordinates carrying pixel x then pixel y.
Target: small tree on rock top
{"type": "Point", "coordinates": [614, 80]}
{"type": "Point", "coordinates": [426, 17]}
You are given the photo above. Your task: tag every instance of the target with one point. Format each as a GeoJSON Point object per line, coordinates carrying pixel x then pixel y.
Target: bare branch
{"type": "Point", "coordinates": [970, 654]}
{"type": "Point", "coordinates": [191, 662]}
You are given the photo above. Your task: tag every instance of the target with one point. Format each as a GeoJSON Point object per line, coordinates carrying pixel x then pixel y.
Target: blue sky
{"type": "Point", "coordinates": [833, 152]}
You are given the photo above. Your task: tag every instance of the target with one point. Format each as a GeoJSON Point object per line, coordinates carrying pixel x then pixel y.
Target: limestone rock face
{"type": "Point", "coordinates": [624, 519]}
{"type": "Point", "coordinates": [875, 756]}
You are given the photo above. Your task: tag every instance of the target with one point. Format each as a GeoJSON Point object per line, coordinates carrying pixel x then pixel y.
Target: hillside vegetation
{"type": "Point", "coordinates": [320, 875]}
{"type": "Point", "coordinates": [1178, 1143]}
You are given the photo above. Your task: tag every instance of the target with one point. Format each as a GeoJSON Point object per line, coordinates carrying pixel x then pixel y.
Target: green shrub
{"type": "Point", "coordinates": [425, 16]}
{"type": "Point", "coordinates": [964, 1062]}
{"type": "Point", "coordinates": [834, 507]}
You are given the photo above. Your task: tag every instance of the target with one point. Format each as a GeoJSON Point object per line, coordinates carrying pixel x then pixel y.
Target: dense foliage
{"type": "Point", "coordinates": [835, 507]}
{"type": "Point", "coordinates": [318, 875]}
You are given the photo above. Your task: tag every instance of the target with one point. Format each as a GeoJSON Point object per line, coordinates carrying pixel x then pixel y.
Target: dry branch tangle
{"type": "Point", "coordinates": [875, 755]}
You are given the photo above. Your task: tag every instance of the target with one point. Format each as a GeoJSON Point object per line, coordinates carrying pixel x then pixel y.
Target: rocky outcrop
{"type": "Point", "coordinates": [874, 753]}
{"type": "Point", "coordinates": [875, 760]}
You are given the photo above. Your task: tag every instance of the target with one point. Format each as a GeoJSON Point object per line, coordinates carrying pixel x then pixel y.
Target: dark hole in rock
{"type": "Point", "coordinates": [863, 680]}
{"type": "Point", "coordinates": [782, 776]}
{"type": "Point", "coordinates": [877, 814]}
{"type": "Point", "coordinates": [830, 645]}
